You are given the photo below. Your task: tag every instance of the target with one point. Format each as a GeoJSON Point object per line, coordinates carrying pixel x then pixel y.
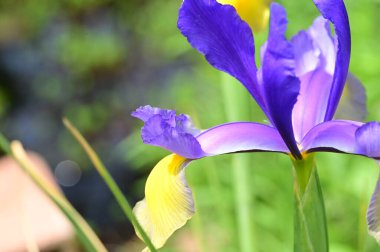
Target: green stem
{"type": "Point", "coordinates": [85, 234]}
{"type": "Point", "coordinates": [237, 108]}
{"type": "Point", "coordinates": [310, 228]}
{"type": "Point", "coordinates": [213, 176]}
{"type": "Point", "coordinates": [197, 228]}
{"type": "Point", "coordinates": [110, 182]}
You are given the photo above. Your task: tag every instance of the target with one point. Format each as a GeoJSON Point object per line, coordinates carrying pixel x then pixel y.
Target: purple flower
{"type": "Point", "coordinates": [298, 86]}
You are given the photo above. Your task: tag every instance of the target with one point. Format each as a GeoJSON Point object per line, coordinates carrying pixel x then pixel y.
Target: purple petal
{"type": "Point", "coordinates": [312, 102]}
{"type": "Point", "coordinates": [324, 44]}
{"type": "Point", "coordinates": [227, 42]}
{"type": "Point", "coordinates": [280, 85]}
{"type": "Point", "coordinates": [241, 136]}
{"type": "Point", "coordinates": [334, 136]}
{"type": "Point", "coordinates": [373, 213]}
{"type": "Point", "coordinates": [315, 48]}
{"type": "Point", "coordinates": [306, 55]}
{"type": "Point", "coordinates": [368, 139]}
{"type": "Point", "coordinates": [144, 113]}
{"type": "Point", "coordinates": [335, 11]}
{"type": "Point", "coordinates": [174, 133]}
{"type": "Point", "coordinates": [352, 105]}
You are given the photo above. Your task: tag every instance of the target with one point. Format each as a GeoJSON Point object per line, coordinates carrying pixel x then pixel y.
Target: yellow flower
{"type": "Point", "coordinates": [168, 202]}
{"type": "Point", "coordinates": [254, 12]}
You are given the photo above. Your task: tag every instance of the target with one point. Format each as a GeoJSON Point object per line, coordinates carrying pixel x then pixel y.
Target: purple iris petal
{"type": "Point", "coordinates": [144, 113]}
{"type": "Point", "coordinates": [227, 42]}
{"type": "Point", "coordinates": [368, 141]}
{"type": "Point", "coordinates": [182, 122]}
{"type": "Point", "coordinates": [335, 11]}
{"type": "Point", "coordinates": [315, 48]}
{"type": "Point", "coordinates": [333, 136]}
{"type": "Point", "coordinates": [315, 59]}
{"type": "Point", "coordinates": [368, 137]}
{"type": "Point", "coordinates": [324, 42]}
{"type": "Point", "coordinates": [241, 136]}
{"type": "Point", "coordinates": [280, 85]}
{"type": "Point", "coordinates": [373, 213]}
{"type": "Point", "coordinates": [306, 55]}
{"type": "Point", "coordinates": [312, 101]}
{"type": "Point", "coordinates": [165, 129]}
{"type": "Point", "coordinates": [353, 103]}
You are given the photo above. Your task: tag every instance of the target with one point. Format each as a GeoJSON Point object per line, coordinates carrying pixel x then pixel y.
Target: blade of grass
{"type": "Point", "coordinates": [110, 182]}
{"type": "Point", "coordinates": [237, 108]}
{"type": "Point", "coordinates": [84, 232]}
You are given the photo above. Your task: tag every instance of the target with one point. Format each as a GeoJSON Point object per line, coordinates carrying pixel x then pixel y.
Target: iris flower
{"type": "Point", "coordinates": [298, 86]}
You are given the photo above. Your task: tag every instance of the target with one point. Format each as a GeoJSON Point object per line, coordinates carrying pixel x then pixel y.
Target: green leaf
{"type": "Point", "coordinates": [109, 181]}
{"type": "Point", "coordinates": [85, 234]}
{"type": "Point", "coordinates": [310, 228]}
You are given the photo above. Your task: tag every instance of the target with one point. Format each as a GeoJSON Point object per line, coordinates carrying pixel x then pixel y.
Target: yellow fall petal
{"type": "Point", "coordinates": [168, 202]}
{"type": "Point", "coordinates": [254, 12]}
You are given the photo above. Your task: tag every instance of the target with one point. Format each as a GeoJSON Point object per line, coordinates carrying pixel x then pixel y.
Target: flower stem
{"type": "Point", "coordinates": [110, 182]}
{"type": "Point", "coordinates": [237, 108]}
{"type": "Point", "coordinates": [84, 232]}
{"type": "Point", "coordinates": [310, 228]}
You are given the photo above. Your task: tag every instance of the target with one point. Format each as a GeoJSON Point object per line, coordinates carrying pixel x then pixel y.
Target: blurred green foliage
{"type": "Point", "coordinates": [96, 60]}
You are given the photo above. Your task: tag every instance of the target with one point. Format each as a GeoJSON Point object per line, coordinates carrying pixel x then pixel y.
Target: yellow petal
{"type": "Point", "coordinates": [254, 12]}
{"type": "Point", "coordinates": [168, 202]}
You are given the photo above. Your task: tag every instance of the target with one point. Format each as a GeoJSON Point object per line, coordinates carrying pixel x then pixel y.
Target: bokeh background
{"type": "Point", "coordinates": [95, 61]}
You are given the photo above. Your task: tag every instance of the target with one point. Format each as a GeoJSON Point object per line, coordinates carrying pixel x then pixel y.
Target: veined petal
{"type": "Point", "coordinates": [241, 136]}
{"type": "Point", "coordinates": [335, 11]}
{"type": "Point", "coordinates": [311, 104]}
{"type": "Point", "coordinates": [306, 55]}
{"type": "Point", "coordinates": [315, 48]}
{"type": "Point", "coordinates": [182, 122]}
{"type": "Point", "coordinates": [368, 139]}
{"type": "Point", "coordinates": [344, 136]}
{"type": "Point", "coordinates": [324, 44]}
{"type": "Point", "coordinates": [254, 12]}
{"type": "Point", "coordinates": [280, 85]}
{"type": "Point", "coordinates": [353, 103]}
{"type": "Point", "coordinates": [168, 202]}
{"type": "Point", "coordinates": [218, 32]}
{"type": "Point", "coordinates": [332, 136]}
{"type": "Point", "coordinates": [315, 60]}
{"type": "Point", "coordinates": [373, 213]}
{"type": "Point", "coordinates": [165, 129]}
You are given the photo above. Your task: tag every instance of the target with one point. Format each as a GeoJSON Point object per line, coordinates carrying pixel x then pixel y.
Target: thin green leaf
{"type": "Point", "coordinates": [110, 182]}
{"type": "Point", "coordinates": [84, 232]}
{"type": "Point", "coordinates": [237, 108]}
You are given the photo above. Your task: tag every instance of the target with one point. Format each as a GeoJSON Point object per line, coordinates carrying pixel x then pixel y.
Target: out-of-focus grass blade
{"type": "Point", "coordinates": [237, 108]}
{"type": "Point", "coordinates": [110, 182]}
{"type": "Point", "coordinates": [84, 232]}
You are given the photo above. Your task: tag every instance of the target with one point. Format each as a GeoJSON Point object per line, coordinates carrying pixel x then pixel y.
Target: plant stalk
{"type": "Point", "coordinates": [237, 109]}
{"type": "Point", "coordinates": [110, 182]}
{"type": "Point", "coordinates": [84, 232]}
{"type": "Point", "coordinates": [310, 227]}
